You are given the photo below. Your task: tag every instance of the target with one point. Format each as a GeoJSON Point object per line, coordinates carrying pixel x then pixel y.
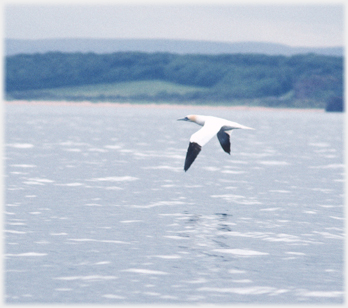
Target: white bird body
{"type": "Point", "coordinates": [211, 126]}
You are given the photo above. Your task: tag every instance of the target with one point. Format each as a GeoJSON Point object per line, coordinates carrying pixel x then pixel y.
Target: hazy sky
{"type": "Point", "coordinates": [309, 24]}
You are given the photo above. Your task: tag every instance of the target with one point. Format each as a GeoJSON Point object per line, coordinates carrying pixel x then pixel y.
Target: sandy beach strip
{"type": "Point", "coordinates": [159, 105]}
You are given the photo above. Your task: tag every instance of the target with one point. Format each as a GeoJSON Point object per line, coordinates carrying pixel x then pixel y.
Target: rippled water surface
{"type": "Point", "coordinates": [98, 208]}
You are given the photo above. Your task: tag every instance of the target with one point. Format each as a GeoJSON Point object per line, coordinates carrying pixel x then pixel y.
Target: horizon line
{"type": "Point", "coordinates": [173, 39]}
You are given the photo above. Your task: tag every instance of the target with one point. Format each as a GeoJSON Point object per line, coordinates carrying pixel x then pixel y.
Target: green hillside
{"type": "Point", "coordinates": [297, 81]}
{"type": "Point", "coordinates": [132, 90]}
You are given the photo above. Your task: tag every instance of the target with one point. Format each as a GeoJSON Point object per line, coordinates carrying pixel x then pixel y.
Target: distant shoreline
{"type": "Point", "coordinates": [102, 46]}
{"type": "Point", "coordinates": [154, 105]}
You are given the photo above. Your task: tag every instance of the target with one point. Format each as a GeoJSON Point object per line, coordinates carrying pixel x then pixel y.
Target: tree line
{"type": "Point", "coordinates": [224, 76]}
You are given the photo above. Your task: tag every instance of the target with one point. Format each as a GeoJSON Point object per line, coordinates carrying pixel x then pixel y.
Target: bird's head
{"type": "Point", "coordinates": [191, 118]}
{"type": "Point", "coordinates": [200, 120]}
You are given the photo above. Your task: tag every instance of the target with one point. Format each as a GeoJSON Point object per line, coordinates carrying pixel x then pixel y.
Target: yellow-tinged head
{"type": "Point", "coordinates": [200, 120]}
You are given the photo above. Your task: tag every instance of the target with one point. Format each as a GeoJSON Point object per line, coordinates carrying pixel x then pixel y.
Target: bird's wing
{"type": "Point", "coordinates": [192, 152]}
{"type": "Point", "coordinates": [207, 132]}
{"type": "Point", "coordinates": [224, 138]}
{"type": "Point", "coordinates": [197, 140]}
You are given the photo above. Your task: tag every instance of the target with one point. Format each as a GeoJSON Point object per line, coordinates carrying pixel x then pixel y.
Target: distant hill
{"type": "Point", "coordinates": [100, 46]}
{"type": "Point", "coordinates": [297, 81]}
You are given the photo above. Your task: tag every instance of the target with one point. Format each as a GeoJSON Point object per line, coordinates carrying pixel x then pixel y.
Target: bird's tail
{"type": "Point", "coordinates": [246, 127]}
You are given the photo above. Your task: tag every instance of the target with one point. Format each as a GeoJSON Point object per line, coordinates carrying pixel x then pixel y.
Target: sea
{"type": "Point", "coordinates": [98, 209]}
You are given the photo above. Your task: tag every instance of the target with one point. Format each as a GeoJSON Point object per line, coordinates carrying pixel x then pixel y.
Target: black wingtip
{"type": "Point", "coordinates": [192, 152]}
{"type": "Point", "coordinates": [224, 139]}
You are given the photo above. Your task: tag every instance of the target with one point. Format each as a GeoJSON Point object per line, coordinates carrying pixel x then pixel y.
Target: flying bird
{"type": "Point", "coordinates": [211, 126]}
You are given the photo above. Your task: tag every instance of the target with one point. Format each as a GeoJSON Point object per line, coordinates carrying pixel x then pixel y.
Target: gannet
{"type": "Point", "coordinates": [211, 126]}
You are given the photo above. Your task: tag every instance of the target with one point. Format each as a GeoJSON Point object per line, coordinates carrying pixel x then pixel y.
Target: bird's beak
{"type": "Point", "coordinates": [183, 119]}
